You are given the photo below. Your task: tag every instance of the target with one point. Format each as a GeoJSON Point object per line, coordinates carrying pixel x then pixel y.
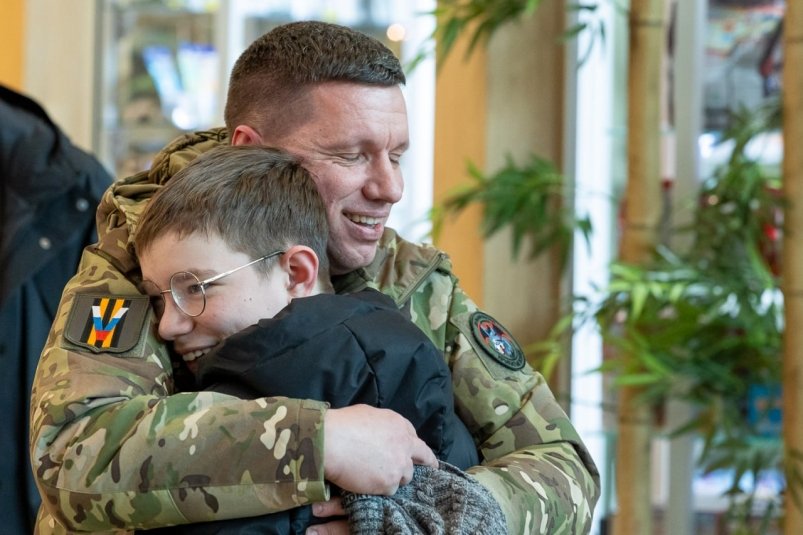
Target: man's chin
{"type": "Point", "coordinates": [359, 257]}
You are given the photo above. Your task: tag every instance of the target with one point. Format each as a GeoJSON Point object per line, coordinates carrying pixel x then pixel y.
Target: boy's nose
{"type": "Point", "coordinates": [173, 322]}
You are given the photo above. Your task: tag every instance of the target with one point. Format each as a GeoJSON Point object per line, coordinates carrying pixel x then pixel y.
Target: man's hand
{"type": "Point", "coordinates": [371, 451]}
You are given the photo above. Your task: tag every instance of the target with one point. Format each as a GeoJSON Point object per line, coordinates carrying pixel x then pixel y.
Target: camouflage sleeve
{"type": "Point", "coordinates": [535, 464]}
{"type": "Point", "coordinates": [114, 448]}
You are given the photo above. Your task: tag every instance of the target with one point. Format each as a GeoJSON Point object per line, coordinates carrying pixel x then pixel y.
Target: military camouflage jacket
{"type": "Point", "coordinates": [115, 447]}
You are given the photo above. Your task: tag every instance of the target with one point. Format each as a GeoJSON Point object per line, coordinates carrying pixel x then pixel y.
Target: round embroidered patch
{"type": "Point", "coordinates": [496, 341]}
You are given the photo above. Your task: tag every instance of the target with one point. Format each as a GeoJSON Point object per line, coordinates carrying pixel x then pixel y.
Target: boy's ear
{"type": "Point", "coordinates": [245, 135]}
{"type": "Point", "coordinates": [301, 264]}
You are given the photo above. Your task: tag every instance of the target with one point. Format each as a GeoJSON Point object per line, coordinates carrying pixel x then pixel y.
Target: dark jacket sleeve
{"type": "Point", "coordinates": [48, 193]}
{"type": "Point", "coordinates": [50, 189]}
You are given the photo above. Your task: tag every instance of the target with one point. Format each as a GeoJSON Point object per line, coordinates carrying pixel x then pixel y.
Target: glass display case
{"type": "Point", "coordinates": [741, 71]}
{"type": "Point", "coordinates": [159, 75]}
{"type": "Point", "coordinates": [163, 66]}
{"type": "Point", "coordinates": [742, 60]}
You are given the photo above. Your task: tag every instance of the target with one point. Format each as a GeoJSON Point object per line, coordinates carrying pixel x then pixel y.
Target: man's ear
{"type": "Point", "coordinates": [245, 135]}
{"type": "Point", "coordinates": [301, 264]}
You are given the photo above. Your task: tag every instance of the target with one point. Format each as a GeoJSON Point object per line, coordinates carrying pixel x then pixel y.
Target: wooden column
{"type": "Point", "coordinates": [792, 270]}
{"type": "Point", "coordinates": [639, 234]}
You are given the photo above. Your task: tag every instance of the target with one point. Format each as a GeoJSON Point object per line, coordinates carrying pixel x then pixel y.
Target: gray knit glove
{"type": "Point", "coordinates": [438, 501]}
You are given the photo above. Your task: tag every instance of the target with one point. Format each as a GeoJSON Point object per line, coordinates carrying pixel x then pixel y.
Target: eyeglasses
{"type": "Point", "coordinates": [188, 291]}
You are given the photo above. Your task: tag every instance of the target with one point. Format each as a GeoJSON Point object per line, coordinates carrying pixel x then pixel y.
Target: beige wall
{"type": "Point", "coordinates": [48, 55]}
{"type": "Point", "coordinates": [58, 63]}
{"type": "Point", "coordinates": [525, 116]}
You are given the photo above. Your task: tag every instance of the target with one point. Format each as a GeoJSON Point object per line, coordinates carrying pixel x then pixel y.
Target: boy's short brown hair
{"type": "Point", "coordinates": [255, 198]}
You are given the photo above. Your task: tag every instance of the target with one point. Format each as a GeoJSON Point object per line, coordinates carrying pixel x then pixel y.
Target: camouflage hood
{"type": "Point", "coordinates": [123, 203]}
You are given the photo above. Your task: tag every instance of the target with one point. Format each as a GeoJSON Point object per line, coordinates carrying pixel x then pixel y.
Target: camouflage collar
{"type": "Point", "coordinates": [397, 270]}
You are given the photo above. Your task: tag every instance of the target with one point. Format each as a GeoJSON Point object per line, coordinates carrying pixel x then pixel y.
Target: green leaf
{"type": "Point", "coordinates": [639, 294]}
{"type": "Point", "coordinates": [638, 379]}
{"type": "Point", "coordinates": [528, 199]}
{"type": "Point", "coordinates": [531, 5]}
{"type": "Point", "coordinates": [482, 18]}
{"type": "Point", "coordinates": [574, 31]}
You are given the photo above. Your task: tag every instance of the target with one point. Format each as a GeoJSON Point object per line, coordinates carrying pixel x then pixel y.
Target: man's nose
{"type": "Point", "coordinates": [385, 183]}
{"type": "Point", "coordinates": [173, 322]}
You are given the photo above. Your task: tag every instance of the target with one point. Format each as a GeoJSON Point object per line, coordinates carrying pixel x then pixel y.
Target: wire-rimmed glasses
{"type": "Point", "coordinates": [188, 291]}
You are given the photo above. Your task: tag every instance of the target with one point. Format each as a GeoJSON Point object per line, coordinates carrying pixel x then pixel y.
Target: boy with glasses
{"type": "Point", "coordinates": [228, 249]}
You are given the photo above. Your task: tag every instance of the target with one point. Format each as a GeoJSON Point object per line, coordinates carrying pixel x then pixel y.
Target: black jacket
{"type": "Point", "coordinates": [345, 350]}
{"type": "Point", "coordinates": [50, 190]}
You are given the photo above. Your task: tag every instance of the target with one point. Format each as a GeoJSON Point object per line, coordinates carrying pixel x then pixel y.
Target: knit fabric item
{"type": "Point", "coordinates": [438, 501]}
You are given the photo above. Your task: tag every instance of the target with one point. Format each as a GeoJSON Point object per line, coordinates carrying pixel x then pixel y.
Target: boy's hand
{"type": "Point", "coordinates": [333, 507]}
{"type": "Point", "coordinates": [338, 527]}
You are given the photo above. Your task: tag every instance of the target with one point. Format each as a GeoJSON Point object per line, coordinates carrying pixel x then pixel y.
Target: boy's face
{"type": "Point", "coordinates": [232, 303]}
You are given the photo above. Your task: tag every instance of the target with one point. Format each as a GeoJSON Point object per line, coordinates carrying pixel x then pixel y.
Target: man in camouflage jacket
{"type": "Point", "coordinates": [115, 446]}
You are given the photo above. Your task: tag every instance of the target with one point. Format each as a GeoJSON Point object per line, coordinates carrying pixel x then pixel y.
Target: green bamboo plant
{"type": "Point", "coordinates": [705, 320]}
{"type": "Point", "coordinates": [530, 199]}
{"type": "Point", "coordinates": [480, 19]}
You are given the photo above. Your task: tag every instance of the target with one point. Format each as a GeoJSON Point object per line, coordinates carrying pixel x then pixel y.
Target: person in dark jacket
{"type": "Point", "coordinates": [238, 240]}
{"type": "Point", "coordinates": [50, 190]}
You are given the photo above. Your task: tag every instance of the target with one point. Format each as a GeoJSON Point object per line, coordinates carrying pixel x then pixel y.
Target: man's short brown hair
{"type": "Point", "coordinates": [279, 67]}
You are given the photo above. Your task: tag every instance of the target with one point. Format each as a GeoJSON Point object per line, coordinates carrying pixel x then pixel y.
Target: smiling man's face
{"type": "Point", "coordinates": [351, 141]}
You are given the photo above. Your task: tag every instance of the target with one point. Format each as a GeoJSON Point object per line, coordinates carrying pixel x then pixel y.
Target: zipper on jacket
{"type": "Point", "coordinates": [433, 265]}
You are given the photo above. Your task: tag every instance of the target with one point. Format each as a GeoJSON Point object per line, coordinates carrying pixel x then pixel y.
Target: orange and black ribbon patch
{"type": "Point", "coordinates": [106, 323]}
